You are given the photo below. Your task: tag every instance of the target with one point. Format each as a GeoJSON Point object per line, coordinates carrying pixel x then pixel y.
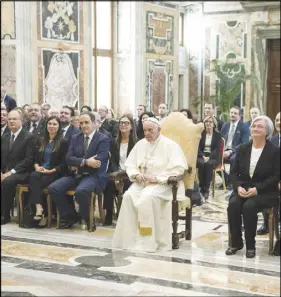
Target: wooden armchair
{"type": "Point", "coordinates": [183, 131]}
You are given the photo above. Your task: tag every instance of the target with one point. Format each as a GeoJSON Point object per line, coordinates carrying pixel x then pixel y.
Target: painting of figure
{"type": "Point", "coordinates": [61, 78]}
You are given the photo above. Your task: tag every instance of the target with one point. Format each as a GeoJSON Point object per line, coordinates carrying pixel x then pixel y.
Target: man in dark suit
{"type": "Point", "coordinates": [235, 133]}
{"type": "Point", "coordinates": [98, 124]}
{"type": "Point", "coordinates": [254, 112]}
{"type": "Point", "coordinates": [4, 119]}
{"type": "Point", "coordinates": [275, 140]}
{"type": "Point", "coordinates": [88, 155]}
{"type": "Point", "coordinates": [209, 110]}
{"type": "Point", "coordinates": [8, 100]}
{"type": "Point", "coordinates": [16, 161]}
{"type": "Point", "coordinates": [66, 113]}
{"type": "Point", "coordinates": [35, 124]}
{"type": "Point", "coordinates": [107, 125]}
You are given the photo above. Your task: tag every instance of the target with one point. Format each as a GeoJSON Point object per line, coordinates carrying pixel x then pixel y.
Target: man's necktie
{"type": "Point", "coordinates": [12, 140]}
{"type": "Point", "coordinates": [230, 136]}
{"type": "Point", "coordinates": [34, 127]}
{"type": "Point", "coordinates": [86, 143]}
{"type": "Point", "coordinates": [63, 130]}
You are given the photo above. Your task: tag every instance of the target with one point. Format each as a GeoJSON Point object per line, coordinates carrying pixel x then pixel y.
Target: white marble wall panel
{"type": "Point", "coordinates": [8, 68]}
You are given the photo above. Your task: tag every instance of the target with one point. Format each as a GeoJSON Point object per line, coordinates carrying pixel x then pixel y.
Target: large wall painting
{"type": "Point", "coordinates": [60, 20]}
{"type": "Point", "coordinates": [8, 25]}
{"type": "Point", "coordinates": [8, 69]}
{"type": "Point", "coordinates": [159, 84]}
{"type": "Point", "coordinates": [61, 77]}
{"type": "Point", "coordinates": [159, 33]}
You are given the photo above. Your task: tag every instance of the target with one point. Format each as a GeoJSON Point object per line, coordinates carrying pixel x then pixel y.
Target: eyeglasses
{"type": "Point", "coordinates": [124, 124]}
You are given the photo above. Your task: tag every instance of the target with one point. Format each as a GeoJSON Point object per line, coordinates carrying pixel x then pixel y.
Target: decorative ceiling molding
{"type": "Point", "coordinates": [250, 6]}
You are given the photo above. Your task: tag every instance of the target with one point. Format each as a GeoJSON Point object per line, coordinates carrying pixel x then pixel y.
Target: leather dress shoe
{"type": "Point", "coordinates": [233, 250]}
{"type": "Point", "coordinates": [250, 253]}
{"type": "Point", "coordinates": [69, 221]}
{"type": "Point", "coordinates": [206, 193]}
{"type": "Point", "coordinates": [5, 220]}
{"type": "Point", "coordinates": [108, 219]}
{"type": "Point", "coordinates": [262, 230]}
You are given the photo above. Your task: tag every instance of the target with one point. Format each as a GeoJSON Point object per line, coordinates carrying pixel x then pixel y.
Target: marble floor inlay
{"type": "Point", "coordinates": [51, 262]}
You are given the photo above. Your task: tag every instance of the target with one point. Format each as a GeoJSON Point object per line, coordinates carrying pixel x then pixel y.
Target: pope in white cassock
{"type": "Point", "coordinates": [145, 219]}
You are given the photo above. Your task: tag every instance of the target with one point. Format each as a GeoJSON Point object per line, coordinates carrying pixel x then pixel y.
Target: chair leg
{"type": "Point", "coordinates": [271, 231]}
{"type": "Point", "coordinates": [92, 225]}
{"type": "Point", "coordinates": [223, 180]}
{"type": "Point", "coordinates": [213, 183]}
{"type": "Point", "coordinates": [49, 205]}
{"type": "Point", "coordinates": [188, 223]}
{"type": "Point", "coordinates": [175, 217]}
{"type": "Point", "coordinates": [101, 211]}
{"type": "Point", "coordinates": [229, 235]}
{"type": "Point", "coordinates": [58, 219]}
{"type": "Point", "coordinates": [20, 206]}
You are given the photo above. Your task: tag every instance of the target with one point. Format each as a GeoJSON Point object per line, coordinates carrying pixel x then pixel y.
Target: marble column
{"type": "Point", "coordinates": [25, 57]}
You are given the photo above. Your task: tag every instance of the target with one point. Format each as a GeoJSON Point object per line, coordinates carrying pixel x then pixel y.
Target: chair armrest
{"type": "Point", "coordinates": [117, 175]}
{"type": "Point", "coordinates": [173, 180]}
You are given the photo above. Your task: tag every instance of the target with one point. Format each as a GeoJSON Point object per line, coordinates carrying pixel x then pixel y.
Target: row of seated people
{"type": "Point", "coordinates": [18, 169]}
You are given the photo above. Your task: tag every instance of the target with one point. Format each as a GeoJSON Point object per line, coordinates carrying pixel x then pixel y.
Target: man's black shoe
{"type": "Point", "coordinates": [233, 250]}
{"type": "Point", "coordinates": [108, 218]}
{"type": "Point", "coordinates": [250, 253]}
{"type": "Point", "coordinates": [5, 220]}
{"type": "Point", "coordinates": [68, 221]}
{"type": "Point", "coordinates": [263, 230]}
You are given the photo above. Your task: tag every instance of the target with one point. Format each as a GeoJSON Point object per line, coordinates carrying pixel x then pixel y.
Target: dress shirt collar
{"type": "Point", "coordinates": [90, 136]}
{"type": "Point", "coordinates": [65, 130]}
{"type": "Point", "coordinates": [235, 125]}
{"type": "Point", "coordinates": [16, 133]}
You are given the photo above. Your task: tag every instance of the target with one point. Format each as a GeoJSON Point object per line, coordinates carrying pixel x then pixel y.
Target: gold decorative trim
{"type": "Point", "coordinates": [145, 231]}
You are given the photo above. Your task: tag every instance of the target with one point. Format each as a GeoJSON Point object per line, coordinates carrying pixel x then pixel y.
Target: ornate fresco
{"type": "Point", "coordinates": [8, 20]}
{"type": "Point", "coordinates": [231, 39]}
{"type": "Point", "coordinates": [60, 20]}
{"type": "Point", "coordinates": [159, 84]}
{"type": "Point", "coordinates": [61, 77]}
{"type": "Point", "coordinates": [8, 68]}
{"type": "Point", "coordinates": [159, 33]}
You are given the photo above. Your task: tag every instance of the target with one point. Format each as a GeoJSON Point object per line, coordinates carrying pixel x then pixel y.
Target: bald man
{"type": "Point", "coordinates": [17, 157]}
{"type": "Point", "coordinates": [7, 100]}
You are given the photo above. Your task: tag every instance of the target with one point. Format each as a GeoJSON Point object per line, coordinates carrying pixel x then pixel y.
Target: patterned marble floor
{"type": "Point", "coordinates": [51, 262]}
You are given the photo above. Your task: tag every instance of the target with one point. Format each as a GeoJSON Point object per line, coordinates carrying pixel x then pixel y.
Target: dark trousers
{"type": "Point", "coordinates": [205, 171]}
{"type": "Point", "coordinates": [37, 182]}
{"type": "Point", "coordinates": [84, 187]}
{"type": "Point", "coordinates": [8, 191]}
{"type": "Point", "coordinates": [111, 191]}
{"type": "Point", "coordinates": [248, 208]}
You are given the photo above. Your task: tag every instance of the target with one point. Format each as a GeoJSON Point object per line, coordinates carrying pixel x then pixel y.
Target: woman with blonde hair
{"type": "Point", "coordinates": [208, 154]}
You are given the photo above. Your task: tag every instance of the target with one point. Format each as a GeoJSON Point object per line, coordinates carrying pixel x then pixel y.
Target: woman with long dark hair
{"type": "Point", "coordinates": [49, 165]}
{"type": "Point", "coordinates": [144, 116]}
{"type": "Point", "coordinates": [121, 146]}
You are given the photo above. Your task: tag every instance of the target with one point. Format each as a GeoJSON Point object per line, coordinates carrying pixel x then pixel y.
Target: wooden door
{"type": "Point", "coordinates": [273, 78]}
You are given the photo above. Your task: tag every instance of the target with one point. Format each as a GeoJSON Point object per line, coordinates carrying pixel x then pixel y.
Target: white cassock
{"type": "Point", "coordinates": [145, 219]}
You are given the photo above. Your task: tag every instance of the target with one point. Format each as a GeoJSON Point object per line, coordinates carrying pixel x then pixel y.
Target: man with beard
{"type": "Point", "coordinates": [235, 133]}
{"type": "Point", "coordinates": [36, 123]}
{"type": "Point", "coordinates": [66, 113]}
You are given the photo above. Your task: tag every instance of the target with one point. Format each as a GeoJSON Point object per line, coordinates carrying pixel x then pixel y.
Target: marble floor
{"type": "Point", "coordinates": [51, 262]}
